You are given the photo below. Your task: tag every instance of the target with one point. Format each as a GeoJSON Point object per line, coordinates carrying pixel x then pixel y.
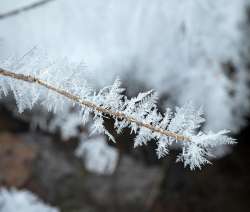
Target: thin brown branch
{"type": "Point", "coordinates": [91, 105]}
{"type": "Point", "coordinates": [23, 9]}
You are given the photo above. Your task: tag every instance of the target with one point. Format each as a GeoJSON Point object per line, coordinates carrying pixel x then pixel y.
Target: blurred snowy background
{"type": "Point", "coordinates": [184, 49]}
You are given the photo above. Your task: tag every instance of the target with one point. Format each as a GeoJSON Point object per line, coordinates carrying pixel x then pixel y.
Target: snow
{"type": "Point", "coordinates": [23, 201]}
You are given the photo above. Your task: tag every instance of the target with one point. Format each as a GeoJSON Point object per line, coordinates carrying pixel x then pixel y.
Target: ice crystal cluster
{"type": "Point", "coordinates": [23, 201]}
{"type": "Point", "coordinates": [139, 113]}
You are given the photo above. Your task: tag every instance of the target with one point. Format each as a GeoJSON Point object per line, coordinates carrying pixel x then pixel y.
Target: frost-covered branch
{"type": "Point", "coordinates": [23, 9]}
{"type": "Point", "coordinates": [139, 113]}
{"type": "Point", "coordinates": [93, 106]}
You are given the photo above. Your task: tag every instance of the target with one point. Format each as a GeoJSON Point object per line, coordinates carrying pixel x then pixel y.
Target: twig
{"type": "Point", "coordinates": [91, 105]}
{"type": "Point", "coordinates": [23, 9]}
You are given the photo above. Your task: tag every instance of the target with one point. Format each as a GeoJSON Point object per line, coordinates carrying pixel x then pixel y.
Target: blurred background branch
{"type": "Point", "coordinates": [24, 9]}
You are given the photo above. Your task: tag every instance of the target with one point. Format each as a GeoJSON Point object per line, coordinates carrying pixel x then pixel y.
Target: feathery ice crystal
{"type": "Point", "coordinates": [57, 88]}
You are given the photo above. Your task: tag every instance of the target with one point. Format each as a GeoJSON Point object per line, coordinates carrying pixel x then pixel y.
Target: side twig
{"type": "Point", "coordinates": [23, 9]}
{"type": "Point", "coordinates": [91, 105]}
